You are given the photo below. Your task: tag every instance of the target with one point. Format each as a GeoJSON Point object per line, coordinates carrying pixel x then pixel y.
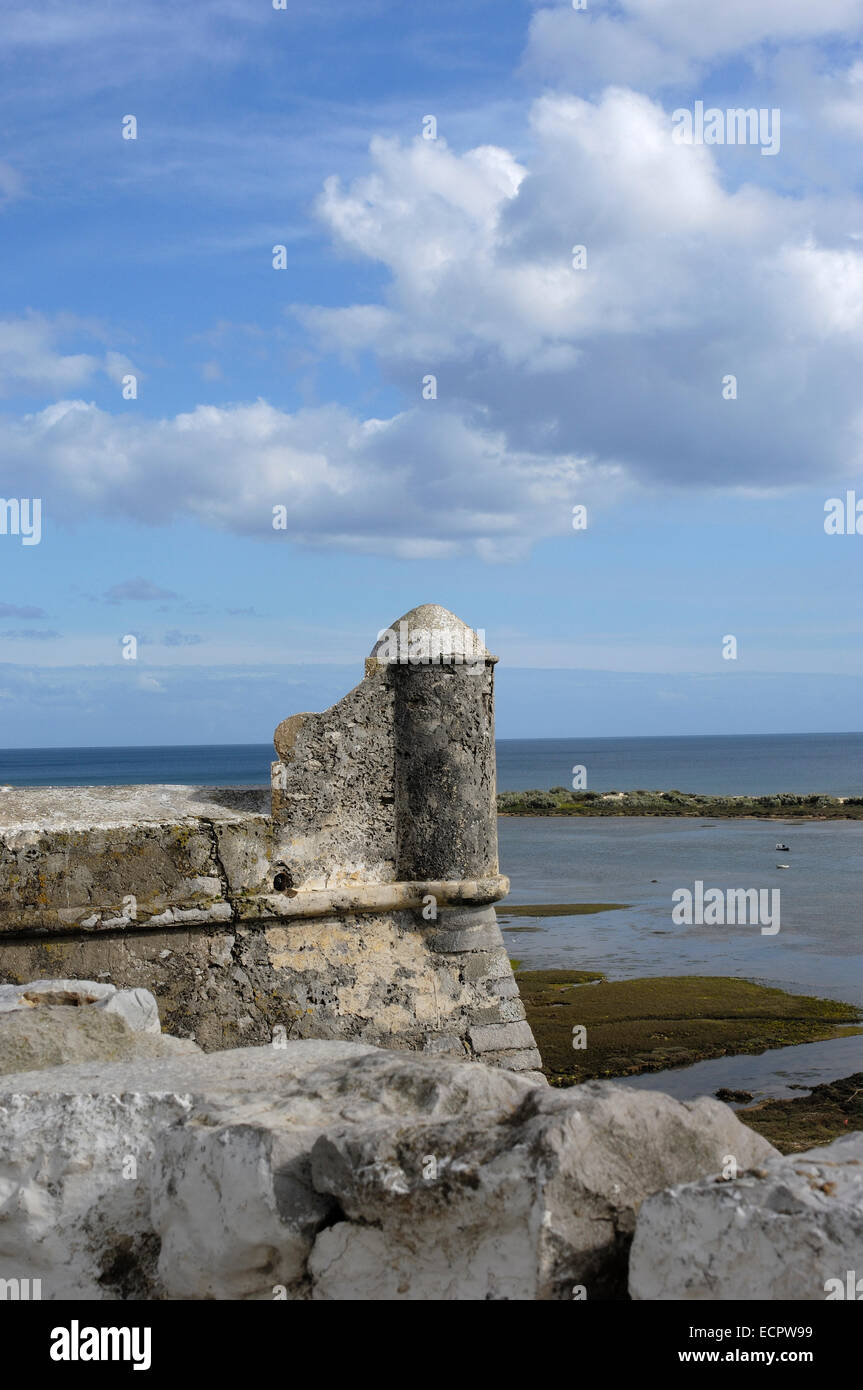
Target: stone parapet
{"type": "Point", "coordinates": [351, 901]}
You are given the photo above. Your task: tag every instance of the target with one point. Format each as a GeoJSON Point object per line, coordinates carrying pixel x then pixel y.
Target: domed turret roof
{"type": "Point", "coordinates": [448, 630]}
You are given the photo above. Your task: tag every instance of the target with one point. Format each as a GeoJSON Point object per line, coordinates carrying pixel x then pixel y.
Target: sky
{"type": "Point", "coordinates": [335, 272]}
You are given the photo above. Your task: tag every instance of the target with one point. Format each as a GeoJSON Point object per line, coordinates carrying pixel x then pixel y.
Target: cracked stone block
{"type": "Point", "coordinates": [790, 1228]}
{"type": "Point", "coordinates": [500, 1037]}
{"type": "Point", "coordinates": [518, 1205]}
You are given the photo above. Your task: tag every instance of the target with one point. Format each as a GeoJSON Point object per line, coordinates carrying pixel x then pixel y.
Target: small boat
{"type": "Point", "coordinates": [782, 866]}
{"type": "Point", "coordinates": [783, 848]}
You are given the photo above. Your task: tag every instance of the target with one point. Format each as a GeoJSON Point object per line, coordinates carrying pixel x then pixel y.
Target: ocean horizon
{"type": "Point", "coordinates": [715, 764]}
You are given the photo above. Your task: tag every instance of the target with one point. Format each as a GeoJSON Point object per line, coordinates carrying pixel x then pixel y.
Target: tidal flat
{"type": "Point", "coordinates": [792, 1126]}
{"type": "Point", "coordinates": [649, 1025]}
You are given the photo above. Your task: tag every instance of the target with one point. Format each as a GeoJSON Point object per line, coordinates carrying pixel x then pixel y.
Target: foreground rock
{"type": "Point", "coordinates": [541, 1204]}
{"type": "Point", "coordinates": [791, 1229]}
{"type": "Point", "coordinates": [137, 1007]}
{"type": "Point", "coordinates": [333, 1170]}
{"type": "Point", "coordinates": [50, 1023]}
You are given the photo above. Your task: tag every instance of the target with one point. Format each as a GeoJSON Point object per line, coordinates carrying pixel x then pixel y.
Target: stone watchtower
{"type": "Point", "coordinates": [357, 905]}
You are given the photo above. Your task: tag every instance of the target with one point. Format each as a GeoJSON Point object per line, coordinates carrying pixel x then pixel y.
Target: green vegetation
{"type": "Point", "coordinates": [827, 1112]}
{"type": "Point", "coordinates": [647, 1025]}
{"type": "Point", "coordinates": [781, 806]}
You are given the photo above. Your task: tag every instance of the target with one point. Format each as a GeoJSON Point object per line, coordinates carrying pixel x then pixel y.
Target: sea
{"type": "Point", "coordinates": [635, 861]}
{"type": "Point", "coordinates": [743, 765]}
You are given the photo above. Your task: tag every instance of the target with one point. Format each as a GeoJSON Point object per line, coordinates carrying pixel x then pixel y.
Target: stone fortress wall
{"type": "Point", "coordinates": [352, 902]}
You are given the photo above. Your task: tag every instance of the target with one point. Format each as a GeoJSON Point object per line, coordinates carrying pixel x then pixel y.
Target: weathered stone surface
{"type": "Point", "coordinates": [519, 1206]}
{"type": "Point", "coordinates": [49, 1023]}
{"type": "Point", "coordinates": [136, 1007]}
{"type": "Point", "coordinates": [367, 978]}
{"type": "Point", "coordinates": [333, 795]}
{"type": "Point", "coordinates": [459, 930]}
{"type": "Point", "coordinates": [336, 1171]}
{"type": "Point", "coordinates": [443, 713]}
{"type": "Point", "coordinates": [782, 1231]}
{"type": "Point", "coordinates": [445, 784]}
{"type": "Point", "coordinates": [54, 1036]}
{"type": "Point", "coordinates": [104, 858]}
{"type": "Point", "coordinates": [454, 638]}
{"type": "Point", "coordinates": [497, 1037]}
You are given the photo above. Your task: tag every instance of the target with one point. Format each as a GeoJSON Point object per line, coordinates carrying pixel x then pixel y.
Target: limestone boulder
{"type": "Point", "coordinates": [536, 1204]}
{"type": "Point", "coordinates": [331, 1170]}
{"type": "Point", "coordinates": [53, 1036]}
{"type": "Point", "coordinates": [790, 1228]}
{"type": "Point", "coordinates": [51, 1023]}
{"type": "Point", "coordinates": [137, 1007]}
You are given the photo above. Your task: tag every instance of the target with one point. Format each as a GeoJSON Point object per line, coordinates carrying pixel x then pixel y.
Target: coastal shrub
{"type": "Point", "coordinates": [539, 801]}
{"type": "Point", "coordinates": [561, 801]}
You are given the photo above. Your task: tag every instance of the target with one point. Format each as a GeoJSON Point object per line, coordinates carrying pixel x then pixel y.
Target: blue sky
{"type": "Point", "coordinates": [302, 386]}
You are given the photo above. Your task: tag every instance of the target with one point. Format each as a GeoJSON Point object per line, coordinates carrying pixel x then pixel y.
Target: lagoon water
{"type": "Point", "coordinates": [818, 950]}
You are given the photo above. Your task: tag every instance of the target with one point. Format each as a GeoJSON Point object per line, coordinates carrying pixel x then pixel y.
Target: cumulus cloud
{"type": "Point", "coordinates": [687, 281]}
{"type": "Point", "coordinates": [421, 484]}
{"type": "Point", "coordinates": [555, 385]}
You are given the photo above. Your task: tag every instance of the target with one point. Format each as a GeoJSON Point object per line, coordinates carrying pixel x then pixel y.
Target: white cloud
{"type": "Point", "coordinates": [32, 360]}
{"type": "Point", "coordinates": [497, 272]}
{"type": "Point", "coordinates": [555, 385]}
{"type": "Point", "coordinates": [422, 484]}
{"type": "Point", "coordinates": [622, 363]}
{"type": "Point", "coordinates": [650, 43]}
{"type": "Point", "coordinates": [706, 30]}
{"type": "Point", "coordinates": [843, 107]}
